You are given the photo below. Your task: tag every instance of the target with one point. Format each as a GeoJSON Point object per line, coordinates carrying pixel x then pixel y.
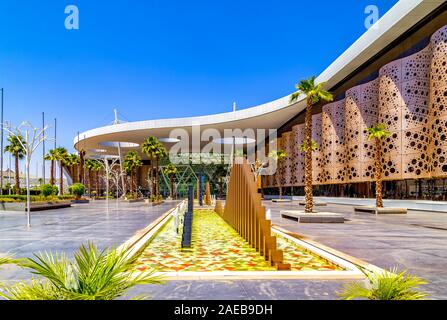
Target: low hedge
{"type": "Point", "coordinates": [17, 198]}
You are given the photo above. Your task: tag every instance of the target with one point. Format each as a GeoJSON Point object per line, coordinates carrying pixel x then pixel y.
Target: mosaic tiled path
{"type": "Point", "coordinates": [217, 247]}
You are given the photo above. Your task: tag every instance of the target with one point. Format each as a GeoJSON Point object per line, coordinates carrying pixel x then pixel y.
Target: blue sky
{"type": "Point", "coordinates": [161, 59]}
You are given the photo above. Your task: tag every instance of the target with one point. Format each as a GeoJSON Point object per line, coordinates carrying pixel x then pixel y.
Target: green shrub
{"type": "Point", "coordinates": [55, 190]}
{"type": "Point", "coordinates": [92, 274]}
{"type": "Point", "coordinates": [77, 189]}
{"type": "Point", "coordinates": [47, 190]}
{"type": "Point", "coordinates": [386, 285]}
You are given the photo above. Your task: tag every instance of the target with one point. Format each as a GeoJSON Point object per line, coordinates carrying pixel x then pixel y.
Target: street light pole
{"type": "Point", "coordinates": [43, 149]}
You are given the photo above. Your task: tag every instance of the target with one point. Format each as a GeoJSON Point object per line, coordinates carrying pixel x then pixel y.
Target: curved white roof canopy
{"type": "Point", "coordinates": [271, 115]}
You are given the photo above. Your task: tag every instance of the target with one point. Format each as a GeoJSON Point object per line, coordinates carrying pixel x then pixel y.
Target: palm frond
{"type": "Point", "coordinates": [386, 285]}
{"type": "Point", "coordinates": [92, 275]}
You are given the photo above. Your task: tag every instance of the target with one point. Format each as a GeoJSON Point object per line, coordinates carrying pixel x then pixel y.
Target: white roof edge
{"type": "Point", "coordinates": [406, 12]}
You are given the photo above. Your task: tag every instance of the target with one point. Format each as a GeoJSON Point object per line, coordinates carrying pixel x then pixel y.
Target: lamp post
{"type": "Point", "coordinates": [33, 138]}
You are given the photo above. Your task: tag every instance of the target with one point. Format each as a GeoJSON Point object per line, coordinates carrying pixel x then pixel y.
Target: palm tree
{"type": "Point", "coordinates": [51, 156]}
{"type": "Point", "coordinates": [171, 171]}
{"type": "Point", "coordinates": [378, 132]}
{"type": "Point", "coordinates": [97, 166]}
{"type": "Point", "coordinates": [81, 165]}
{"type": "Point", "coordinates": [16, 148]}
{"type": "Point", "coordinates": [90, 165]}
{"type": "Point", "coordinates": [149, 148]}
{"type": "Point", "coordinates": [314, 93]}
{"type": "Point", "coordinates": [279, 156]}
{"type": "Point", "coordinates": [132, 161]}
{"type": "Point", "coordinates": [72, 163]}
{"type": "Point", "coordinates": [91, 275]}
{"type": "Point", "coordinates": [61, 155]}
{"type": "Point", "coordinates": [160, 153]}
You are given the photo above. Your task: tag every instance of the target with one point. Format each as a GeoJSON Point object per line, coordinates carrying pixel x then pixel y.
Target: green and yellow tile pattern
{"type": "Point", "coordinates": [218, 247]}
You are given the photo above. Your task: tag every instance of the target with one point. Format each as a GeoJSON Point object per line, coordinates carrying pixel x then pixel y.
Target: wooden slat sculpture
{"type": "Point", "coordinates": [245, 213]}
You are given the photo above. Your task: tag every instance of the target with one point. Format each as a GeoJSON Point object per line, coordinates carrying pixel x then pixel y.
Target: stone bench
{"type": "Point", "coordinates": [375, 210]}
{"type": "Point", "coordinates": [315, 217]}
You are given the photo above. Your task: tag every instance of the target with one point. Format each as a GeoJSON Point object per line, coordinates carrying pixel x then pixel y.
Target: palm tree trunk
{"type": "Point", "coordinates": [90, 182]}
{"type": "Point", "coordinates": [81, 166]}
{"type": "Point", "coordinates": [157, 191]}
{"type": "Point", "coordinates": [171, 185]}
{"type": "Point", "coordinates": [97, 183]}
{"type": "Point", "coordinates": [52, 173]}
{"type": "Point", "coordinates": [131, 183]}
{"type": "Point", "coordinates": [220, 187]}
{"type": "Point", "coordinates": [308, 160]}
{"type": "Point", "coordinates": [152, 177]}
{"type": "Point", "coordinates": [280, 191]}
{"type": "Point", "coordinates": [61, 181]}
{"type": "Point", "coordinates": [379, 201]}
{"type": "Point", "coordinates": [17, 175]}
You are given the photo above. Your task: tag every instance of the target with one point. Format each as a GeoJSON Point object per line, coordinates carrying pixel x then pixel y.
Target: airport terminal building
{"type": "Point", "coordinates": [395, 74]}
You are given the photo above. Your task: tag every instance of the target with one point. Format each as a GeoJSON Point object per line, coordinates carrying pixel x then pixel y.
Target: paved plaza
{"type": "Point", "coordinates": [415, 241]}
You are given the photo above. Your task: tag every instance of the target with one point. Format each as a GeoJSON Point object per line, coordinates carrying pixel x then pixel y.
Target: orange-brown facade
{"type": "Point", "coordinates": [409, 97]}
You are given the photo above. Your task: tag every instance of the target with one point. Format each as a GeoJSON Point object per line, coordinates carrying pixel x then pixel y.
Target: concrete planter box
{"type": "Point", "coordinates": [156, 203]}
{"type": "Point", "coordinates": [375, 210]}
{"type": "Point", "coordinates": [134, 200]}
{"type": "Point", "coordinates": [316, 204]}
{"type": "Point", "coordinates": [315, 217]}
{"type": "Point", "coordinates": [40, 206]}
{"type": "Point", "coordinates": [282, 200]}
{"type": "Point", "coordinates": [81, 201]}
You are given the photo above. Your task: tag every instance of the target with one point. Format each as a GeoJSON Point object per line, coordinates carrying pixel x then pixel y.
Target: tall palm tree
{"type": "Point", "coordinates": [72, 163]}
{"type": "Point", "coordinates": [171, 171]}
{"type": "Point", "coordinates": [90, 165]}
{"type": "Point", "coordinates": [149, 148]}
{"type": "Point", "coordinates": [52, 157]}
{"type": "Point", "coordinates": [61, 156]}
{"type": "Point", "coordinates": [378, 132]}
{"type": "Point", "coordinates": [279, 156]}
{"type": "Point", "coordinates": [160, 153]}
{"type": "Point", "coordinates": [132, 161]}
{"type": "Point", "coordinates": [16, 148]}
{"type": "Point", "coordinates": [97, 166]}
{"type": "Point", "coordinates": [81, 165]}
{"type": "Point", "coordinates": [315, 94]}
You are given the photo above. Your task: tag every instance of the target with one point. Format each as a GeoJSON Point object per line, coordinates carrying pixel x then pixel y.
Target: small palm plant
{"type": "Point", "coordinates": [171, 171]}
{"type": "Point", "coordinates": [313, 146]}
{"type": "Point", "coordinates": [314, 94]}
{"type": "Point", "coordinates": [377, 133]}
{"type": "Point", "coordinates": [92, 275]}
{"type": "Point", "coordinates": [279, 156]}
{"type": "Point", "coordinates": [386, 285]}
{"type": "Point", "coordinates": [16, 148]}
